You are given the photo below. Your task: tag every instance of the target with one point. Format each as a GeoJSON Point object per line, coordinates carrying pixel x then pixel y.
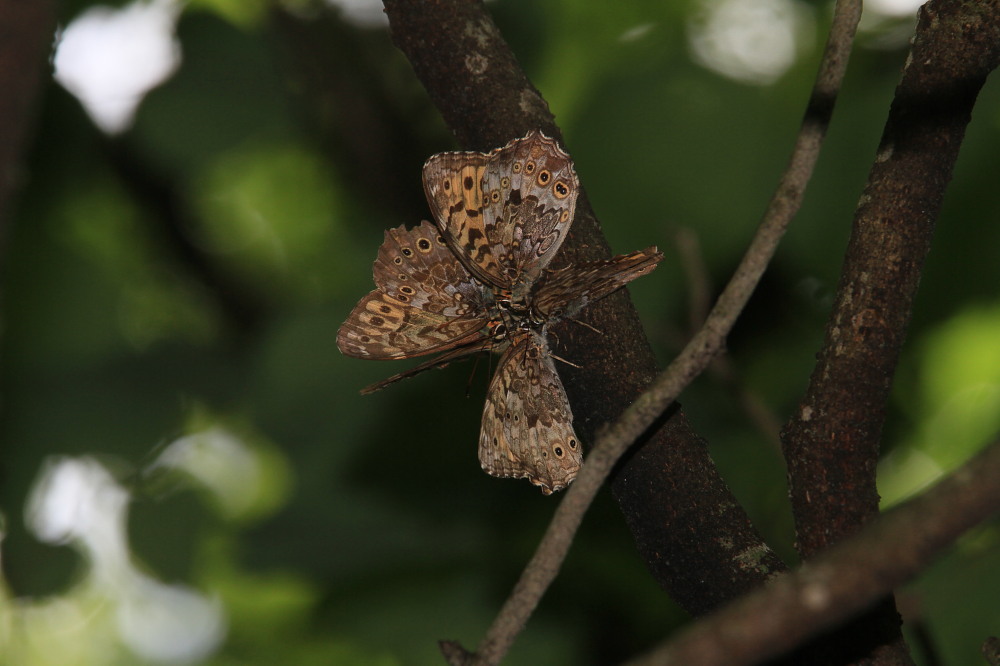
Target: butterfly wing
{"type": "Point", "coordinates": [482, 345]}
{"type": "Point", "coordinates": [527, 429]}
{"type": "Point", "coordinates": [565, 292]}
{"type": "Point", "coordinates": [453, 186]}
{"type": "Point", "coordinates": [505, 213]}
{"type": "Point", "coordinates": [425, 302]}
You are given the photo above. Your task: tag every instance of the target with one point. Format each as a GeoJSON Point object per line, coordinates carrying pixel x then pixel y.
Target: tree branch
{"type": "Point", "coordinates": [722, 369]}
{"type": "Point", "coordinates": [991, 651]}
{"type": "Point", "coordinates": [27, 29]}
{"type": "Point", "coordinates": [748, 564]}
{"type": "Point", "coordinates": [844, 579]}
{"type": "Point", "coordinates": [170, 216]}
{"type": "Point", "coordinates": [832, 443]}
{"type": "Point", "coordinates": [474, 79]}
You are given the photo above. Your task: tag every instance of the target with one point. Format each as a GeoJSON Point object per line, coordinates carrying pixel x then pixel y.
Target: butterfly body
{"type": "Point", "coordinates": [477, 279]}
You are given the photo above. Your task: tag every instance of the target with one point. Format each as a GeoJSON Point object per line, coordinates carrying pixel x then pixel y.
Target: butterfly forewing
{"type": "Point", "coordinates": [440, 361]}
{"type": "Point", "coordinates": [426, 301]}
{"type": "Point", "coordinates": [453, 185]}
{"type": "Point", "coordinates": [564, 292]}
{"type": "Point", "coordinates": [507, 212]}
{"type": "Point", "coordinates": [527, 430]}
{"type": "Point", "coordinates": [530, 192]}
{"type": "Point", "coordinates": [416, 267]}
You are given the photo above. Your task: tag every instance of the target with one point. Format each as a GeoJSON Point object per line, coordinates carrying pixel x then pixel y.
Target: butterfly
{"type": "Point", "coordinates": [476, 279]}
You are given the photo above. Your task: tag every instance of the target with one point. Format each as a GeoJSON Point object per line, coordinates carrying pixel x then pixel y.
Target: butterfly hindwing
{"type": "Point", "coordinates": [527, 429]}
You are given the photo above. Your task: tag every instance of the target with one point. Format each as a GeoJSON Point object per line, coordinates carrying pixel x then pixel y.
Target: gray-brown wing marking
{"type": "Point", "coordinates": [527, 430]}
{"type": "Point", "coordinates": [529, 191]}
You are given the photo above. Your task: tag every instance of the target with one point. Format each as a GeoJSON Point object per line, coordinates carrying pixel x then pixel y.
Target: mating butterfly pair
{"type": "Point", "coordinates": [477, 280]}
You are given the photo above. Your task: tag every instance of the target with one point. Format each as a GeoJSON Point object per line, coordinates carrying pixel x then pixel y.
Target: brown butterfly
{"type": "Point", "coordinates": [477, 280]}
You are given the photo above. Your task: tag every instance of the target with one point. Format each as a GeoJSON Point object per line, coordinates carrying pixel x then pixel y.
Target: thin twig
{"type": "Point", "coordinates": [721, 368]}
{"type": "Point", "coordinates": [847, 578]}
{"type": "Point", "coordinates": [615, 439]}
{"type": "Point", "coordinates": [696, 276]}
{"type": "Point", "coordinates": [760, 415]}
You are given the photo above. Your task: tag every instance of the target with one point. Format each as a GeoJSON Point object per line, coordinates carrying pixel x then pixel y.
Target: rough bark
{"type": "Point", "coordinates": [27, 29]}
{"type": "Point", "coordinates": [832, 443]}
{"type": "Point", "coordinates": [687, 524]}
{"type": "Point", "coordinates": [843, 579]}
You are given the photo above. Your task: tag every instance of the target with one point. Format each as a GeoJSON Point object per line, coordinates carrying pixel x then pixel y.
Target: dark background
{"type": "Point", "coordinates": [190, 274]}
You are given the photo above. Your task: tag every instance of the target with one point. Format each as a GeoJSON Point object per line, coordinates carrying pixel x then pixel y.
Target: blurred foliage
{"type": "Point", "coordinates": [189, 276]}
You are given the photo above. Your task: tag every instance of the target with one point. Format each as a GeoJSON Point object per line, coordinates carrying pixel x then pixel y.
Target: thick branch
{"type": "Point", "coordinates": [832, 444]}
{"type": "Point", "coordinates": [680, 524]}
{"type": "Point", "coordinates": [26, 31]}
{"type": "Point", "coordinates": [844, 579]}
{"type": "Point", "coordinates": [748, 564]}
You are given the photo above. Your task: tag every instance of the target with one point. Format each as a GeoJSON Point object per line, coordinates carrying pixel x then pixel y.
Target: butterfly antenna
{"type": "Point", "coordinates": [555, 338]}
{"type": "Point", "coordinates": [560, 358]}
{"type": "Point", "coordinates": [585, 325]}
